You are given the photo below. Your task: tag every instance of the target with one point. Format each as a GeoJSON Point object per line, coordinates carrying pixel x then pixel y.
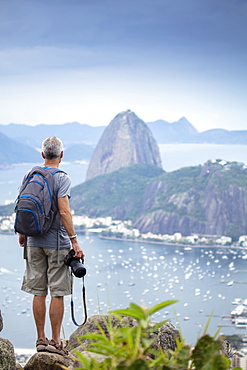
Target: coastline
{"type": "Point", "coordinates": [171, 244]}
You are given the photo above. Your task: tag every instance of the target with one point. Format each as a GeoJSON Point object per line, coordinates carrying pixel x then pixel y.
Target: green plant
{"type": "Point", "coordinates": [132, 348]}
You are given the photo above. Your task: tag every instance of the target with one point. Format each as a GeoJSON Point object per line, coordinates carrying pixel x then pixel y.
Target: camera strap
{"type": "Point", "coordinates": [83, 301]}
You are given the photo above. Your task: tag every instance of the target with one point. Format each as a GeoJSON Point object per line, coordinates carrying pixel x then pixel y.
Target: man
{"type": "Point", "coordinates": [45, 261]}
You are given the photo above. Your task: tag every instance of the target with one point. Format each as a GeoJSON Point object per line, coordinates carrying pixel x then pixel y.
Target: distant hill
{"type": "Point", "coordinates": [69, 133]}
{"type": "Point", "coordinates": [183, 131]}
{"type": "Point", "coordinates": [206, 200]}
{"type": "Point", "coordinates": [14, 152]}
{"type": "Point", "coordinates": [127, 140]}
{"type": "Point", "coordinates": [164, 132]}
{"type": "Point", "coordinates": [220, 136]}
{"type": "Point", "coordinates": [179, 131]}
{"type": "Point", "coordinates": [79, 152]}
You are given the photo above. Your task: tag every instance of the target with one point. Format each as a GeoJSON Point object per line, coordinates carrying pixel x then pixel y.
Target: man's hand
{"type": "Point", "coordinates": [78, 251]}
{"type": "Point", "coordinates": [22, 240]}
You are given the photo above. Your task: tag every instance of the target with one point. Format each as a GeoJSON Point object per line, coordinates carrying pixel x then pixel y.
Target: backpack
{"type": "Point", "coordinates": [35, 209]}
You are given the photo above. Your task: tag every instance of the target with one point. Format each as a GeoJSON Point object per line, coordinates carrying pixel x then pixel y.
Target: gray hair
{"type": "Point", "coordinates": [52, 147]}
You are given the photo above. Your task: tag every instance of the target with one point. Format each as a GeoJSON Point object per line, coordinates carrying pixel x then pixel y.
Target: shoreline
{"type": "Point", "coordinates": [170, 243]}
{"type": "Point", "coordinates": [185, 245]}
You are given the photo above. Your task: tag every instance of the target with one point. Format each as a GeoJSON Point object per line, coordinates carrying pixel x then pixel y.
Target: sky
{"type": "Point", "coordinates": [88, 60]}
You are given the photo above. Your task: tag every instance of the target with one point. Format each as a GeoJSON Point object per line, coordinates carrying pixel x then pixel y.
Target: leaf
{"type": "Point", "coordinates": [159, 306]}
{"type": "Point", "coordinates": [157, 326]}
{"type": "Point", "coordinates": [137, 341]}
{"type": "Point", "coordinates": [94, 336]}
{"type": "Point", "coordinates": [183, 357]}
{"type": "Point", "coordinates": [139, 310]}
{"type": "Point", "coordinates": [138, 364]}
{"type": "Point", "coordinates": [206, 355]}
{"type": "Point", "coordinates": [128, 312]}
{"type": "Point", "coordinates": [207, 324]}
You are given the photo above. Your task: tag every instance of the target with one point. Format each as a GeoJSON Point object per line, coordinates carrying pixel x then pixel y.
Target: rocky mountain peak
{"type": "Point", "coordinates": [126, 141]}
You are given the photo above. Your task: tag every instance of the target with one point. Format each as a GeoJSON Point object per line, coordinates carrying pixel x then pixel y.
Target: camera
{"type": "Point", "coordinates": [76, 265]}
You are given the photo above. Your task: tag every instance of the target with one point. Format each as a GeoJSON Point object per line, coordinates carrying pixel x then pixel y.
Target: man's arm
{"type": "Point", "coordinates": [66, 219]}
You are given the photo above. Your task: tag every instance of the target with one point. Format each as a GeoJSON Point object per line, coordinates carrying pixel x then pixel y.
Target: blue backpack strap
{"type": "Point", "coordinates": [58, 170]}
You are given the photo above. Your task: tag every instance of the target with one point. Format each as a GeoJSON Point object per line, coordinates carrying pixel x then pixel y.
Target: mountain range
{"type": "Point", "coordinates": [86, 137]}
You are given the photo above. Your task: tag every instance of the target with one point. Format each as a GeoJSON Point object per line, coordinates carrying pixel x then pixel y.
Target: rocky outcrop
{"type": "Point", "coordinates": [46, 361]}
{"type": "Point", "coordinates": [206, 200]}
{"type": "Point", "coordinates": [126, 141]}
{"type": "Point", "coordinates": [7, 355]}
{"type": "Point", "coordinates": [164, 338]}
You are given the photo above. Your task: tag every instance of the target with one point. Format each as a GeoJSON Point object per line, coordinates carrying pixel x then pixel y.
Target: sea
{"type": "Point", "coordinates": [204, 281]}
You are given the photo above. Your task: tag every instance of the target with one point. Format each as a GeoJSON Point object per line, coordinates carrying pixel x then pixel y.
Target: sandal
{"type": "Point", "coordinates": [41, 345]}
{"type": "Point", "coordinates": [54, 347]}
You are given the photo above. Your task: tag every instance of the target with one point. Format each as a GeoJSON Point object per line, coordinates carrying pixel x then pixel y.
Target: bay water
{"type": "Point", "coordinates": [204, 280]}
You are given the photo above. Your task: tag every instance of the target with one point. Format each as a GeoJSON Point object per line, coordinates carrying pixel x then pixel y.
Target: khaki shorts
{"type": "Point", "coordinates": [43, 270]}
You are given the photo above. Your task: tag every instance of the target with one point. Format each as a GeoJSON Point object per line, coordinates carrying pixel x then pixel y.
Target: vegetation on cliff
{"type": "Point", "coordinates": [209, 199]}
{"type": "Point", "coordinates": [117, 194]}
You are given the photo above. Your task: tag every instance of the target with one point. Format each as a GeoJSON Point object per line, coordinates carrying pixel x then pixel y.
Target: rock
{"type": "Point", "coordinates": [205, 200]}
{"type": "Point", "coordinates": [46, 361]}
{"type": "Point", "coordinates": [91, 326]}
{"type": "Point", "coordinates": [1, 322]}
{"type": "Point", "coordinates": [226, 348]}
{"type": "Point", "coordinates": [125, 142]}
{"type": "Point", "coordinates": [164, 337]}
{"type": "Point", "coordinates": [7, 355]}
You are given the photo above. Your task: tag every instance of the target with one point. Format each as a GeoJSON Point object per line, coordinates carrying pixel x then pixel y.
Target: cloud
{"type": "Point", "coordinates": [173, 57]}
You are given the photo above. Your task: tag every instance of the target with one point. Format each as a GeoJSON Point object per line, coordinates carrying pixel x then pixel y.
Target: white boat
{"type": "Point", "coordinates": [241, 322]}
{"type": "Point", "coordinates": [239, 311]}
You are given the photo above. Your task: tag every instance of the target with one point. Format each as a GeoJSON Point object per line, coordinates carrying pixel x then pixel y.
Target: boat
{"type": "Point", "coordinates": [237, 301]}
{"type": "Point", "coordinates": [240, 310]}
{"type": "Point", "coordinates": [241, 322]}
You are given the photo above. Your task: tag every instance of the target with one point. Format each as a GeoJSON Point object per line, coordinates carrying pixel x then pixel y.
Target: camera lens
{"type": "Point", "coordinates": [77, 268]}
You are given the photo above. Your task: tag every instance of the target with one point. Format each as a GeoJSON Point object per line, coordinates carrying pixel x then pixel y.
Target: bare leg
{"type": "Point", "coordinates": [39, 312]}
{"type": "Point", "coordinates": [56, 317]}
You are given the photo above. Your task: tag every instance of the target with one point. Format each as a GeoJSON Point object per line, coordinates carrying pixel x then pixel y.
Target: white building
{"type": "Point", "coordinates": [243, 240]}
{"type": "Point", "coordinates": [224, 240]}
